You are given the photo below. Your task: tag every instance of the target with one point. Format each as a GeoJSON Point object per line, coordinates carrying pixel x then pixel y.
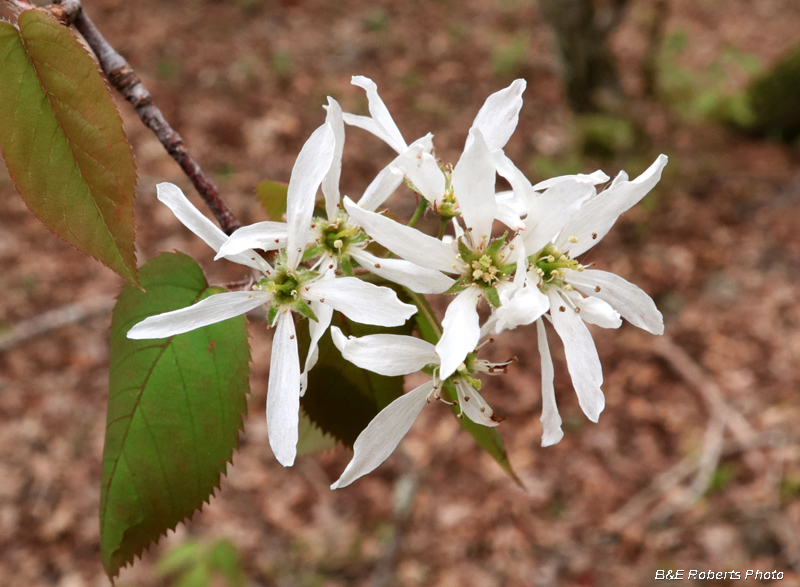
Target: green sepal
{"type": "Point", "coordinates": [346, 265]}
{"type": "Point", "coordinates": [508, 269]}
{"type": "Point", "coordinates": [460, 285]}
{"type": "Point", "coordinates": [490, 293]}
{"type": "Point", "coordinates": [311, 252]}
{"type": "Point", "coordinates": [304, 308]}
{"type": "Point", "coordinates": [494, 247]}
{"type": "Point", "coordinates": [467, 254]}
{"type": "Point", "coordinates": [271, 314]}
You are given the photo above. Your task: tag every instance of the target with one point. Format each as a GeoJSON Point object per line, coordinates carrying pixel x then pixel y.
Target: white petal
{"type": "Point", "coordinates": [473, 184]}
{"type": "Point", "coordinates": [582, 360]}
{"type": "Point", "coordinates": [172, 196]}
{"type": "Point", "coordinates": [551, 420]}
{"type": "Point", "coordinates": [330, 184]}
{"type": "Point", "coordinates": [520, 186]}
{"type": "Point", "coordinates": [597, 312]}
{"type": "Point", "coordinates": [423, 171]}
{"type": "Point", "coordinates": [267, 236]}
{"type": "Point", "coordinates": [310, 168]}
{"type": "Point", "coordinates": [524, 306]}
{"type": "Point", "coordinates": [472, 407]}
{"type": "Point", "coordinates": [497, 119]}
{"type": "Point", "coordinates": [383, 434]}
{"type": "Point", "coordinates": [386, 354]}
{"type": "Point", "coordinates": [550, 211]}
{"type": "Point", "coordinates": [380, 114]}
{"type": "Point", "coordinates": [283, 396]}
{"type": "Point", "coordinates": [631, 302]}
{"type": "Point", "coordinates": [324, 313]}
{"type": "Point", "coordinates": [595, 178]}
{"type": "Point", "coordinates": [598, 215]}
{"type": "Point", "coordinates": [461, 331]}
{"type": "Point", "coordinates": [211, 310]}
{"type": "Point", "coordinates": [361, 301]}
{"type": "Point", "coordinates": [507, 212]}
{"type": "Point", "coordinates": [386, 182]}
{"type": "Point", "coordinates": [408, 243]}
{"type": "Point", "coordinates": [416, 278]}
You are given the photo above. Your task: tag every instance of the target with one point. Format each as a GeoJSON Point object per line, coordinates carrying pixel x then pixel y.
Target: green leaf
{"type": "Point", "coordinates": [311, 439]}
{"type": "Point", "coordinates": [341, 398]}
{"type": "Point", "coordinates": [62, 139]}
{"type": "Point", "coordinates": [174, 412]}
{"type": "Point", "coordinates": [487, 438]}
{"type": "Point", "coordinates": [272, 195]}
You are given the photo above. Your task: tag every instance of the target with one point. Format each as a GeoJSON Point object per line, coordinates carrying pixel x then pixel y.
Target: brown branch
{"type": "Point", "coordinates": [124, 79]}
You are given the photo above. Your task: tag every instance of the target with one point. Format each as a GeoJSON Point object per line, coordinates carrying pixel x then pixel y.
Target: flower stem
{"type": "Point", "coordinates": [442, 228]}
{"type": "Point", "coordinates": [429, 326]}
{"type": "Point", "coordinates": [423, 205]}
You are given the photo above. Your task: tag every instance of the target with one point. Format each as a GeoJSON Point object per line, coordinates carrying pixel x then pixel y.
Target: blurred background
{"type": "Point", "coordinates": [695, 463]}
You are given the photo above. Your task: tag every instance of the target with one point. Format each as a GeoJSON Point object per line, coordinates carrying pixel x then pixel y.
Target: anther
{"type": "Point", "coordinates": [573, 239]}
{"type": "Point", "coordinates": [322, 300]}
{"type": "Point", "coordinates": [597, 288]}
{"type": "Point", "coordinates": [277, 240]}
{"type": "Point", "coordinates": [483, 409]}
{"type": "Point", "coordinates": [577, 310]}
{"type": "Point", "coordinates": [568, 287]}
{"type": "Point", "coordinates": [291, 337]}
{"type": "Point", "coordinates": [377, 265]}
{"type": "Point", "coordinates": [594, 236]}
{"type": "Point", "coordinates": [338, 244]}
{"type": "Point", "coordinates": [466, 398]}
{"type": "Point", "coordinates": [562, 309]}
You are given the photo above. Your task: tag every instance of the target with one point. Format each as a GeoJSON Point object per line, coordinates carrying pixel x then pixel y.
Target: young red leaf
{"type": "Point", "coordinates": [63, 143]}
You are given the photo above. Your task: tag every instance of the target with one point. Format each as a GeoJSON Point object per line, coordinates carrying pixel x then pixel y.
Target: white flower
{"type": "Point", "coordinates": [338, 239]}
{"type": "Point", "coordinates": [496, 120]}
{"type": "Point", "coordinates": [566, 221]}
{"type": "Point", "coordinates": [285, 288]}
{"type": "Point", "coordinates": [391, 355]}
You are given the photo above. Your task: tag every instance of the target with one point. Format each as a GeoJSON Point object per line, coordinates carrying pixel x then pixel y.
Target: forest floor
{"type": "Point", "coordinates": [717, 245]}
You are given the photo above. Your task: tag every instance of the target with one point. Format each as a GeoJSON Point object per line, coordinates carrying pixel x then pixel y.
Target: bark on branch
{"type": "Point", "coordinates": [125, 80]}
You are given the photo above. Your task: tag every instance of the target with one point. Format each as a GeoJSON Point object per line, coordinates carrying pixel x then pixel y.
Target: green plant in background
{"type": "Point", "coordinates": [508, 58]}
{"type": "Point", "coordinates": [774, 99]}
{"type": "Point", "coordinates": [196, 564]}
{"type": "Point", "coordinates": [705, 94]}
{"type": "Point", "coordinates": [377, 20]}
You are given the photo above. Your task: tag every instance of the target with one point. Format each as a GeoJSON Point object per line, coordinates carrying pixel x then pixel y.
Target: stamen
{"type": "Point", "coordinates": [377, 265]}
{"type": "Point", "coordinates": [573, 239]}
{"type": "Point", "coordinates": [597, 289]}
{"type": "Point", "coordinates": [562, 309]}
{"type": "Point", "coordinates": [594, 236]}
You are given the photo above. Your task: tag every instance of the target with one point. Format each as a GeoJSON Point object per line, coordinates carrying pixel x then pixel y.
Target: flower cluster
{"type": "Point", "coordinates": [527, 275]}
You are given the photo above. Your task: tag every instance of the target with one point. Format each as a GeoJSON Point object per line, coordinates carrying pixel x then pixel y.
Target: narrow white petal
{"type": "Point", "coordinates": [172, 196]}
{"type": "Point", "coordinates": [595, 178]}
{"type": "Point", "coordinates": [211, 310]}
{"type": "Point", "coordinates": [498, 117]}
{"type": "Point", "coordinates": [311, 166]}
{"type": "Point", "coordinates": [408, 243]}
{"type": "Point", "coordinates": [267, 236]}
{"type": "Point", "coordinates": [550, 211]}
{"type": "Point", "coordinates": [423, 171]}
{"type": "Point", "coordinates": [523, 306]}
{"type": "Point", "coordinates": [598, 215]}
{"type": "Point", "coordinates": [330, 184]}
{"type": "Point", "coordinates": [380, 114]}
{"type": "Point", "coordinates": [507, 213]}
{"type": "Point", "coordinates": [582, 360]}
{"type": "Point", "coordinates": [361, 301]}
{"type": "Point", "coordinates": [324, 313]}
{"type": "Point", "coordinates": [386, 182]}
{"type": "Point", "coordinates": [597, 312]}
{"type": "Point", "coordinates": [416, 278]}
{"type": "Point", "coordinates": [383, 434]}
{"type": "Point", "coordinates": [386, 354]}
{"type": "Point", "coordinates": [473, 183]}
{"type": "Point", "coordinates": [474, 406]}
{"type": "Point", "coordinates": [379, 190]}
{"type": "Point", "coordinates": [283, 396]}
{"type": "Point", "coordinates": [461, 331]}
{"type": "Point", "coordinates": [551, 420]}
{"type": "Point", "coordinates": [631, 302]}
{"type": "Point", "coordinates": [520, 185]}
{"type": "Point", "coordinates": [366, 123]}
